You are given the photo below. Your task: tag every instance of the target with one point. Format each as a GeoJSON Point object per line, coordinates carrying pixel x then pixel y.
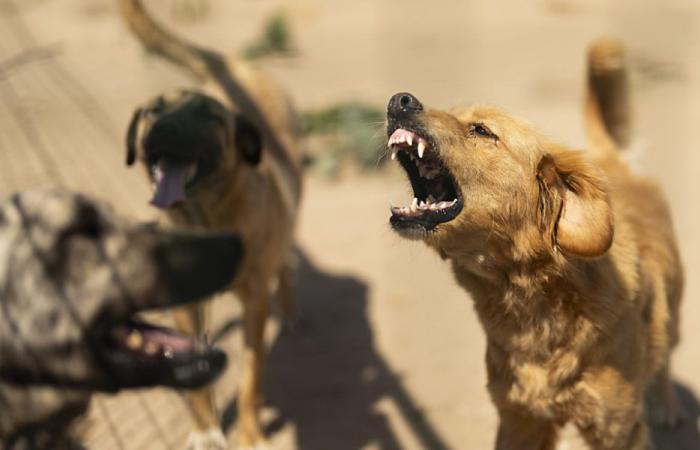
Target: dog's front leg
{"type": "Point", "coordinates": [520, 430]}
{"type": "Point", "coordinates": [255, 310]}
{"type": "Point", "coordinates": [206, 431]}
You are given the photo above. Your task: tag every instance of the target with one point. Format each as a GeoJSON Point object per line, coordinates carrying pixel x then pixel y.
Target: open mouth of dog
{"type": "Point", "coordinates": [170, 180]}
{"type": "Point", "coordinates": [139, 354]}
{"type": "Point", "coordinates": [190, 267]}
{"type": "Point", "coordinates": [436, 197]}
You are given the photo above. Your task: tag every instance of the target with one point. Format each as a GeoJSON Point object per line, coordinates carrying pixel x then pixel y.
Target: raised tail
{"type": "Point", "coordinates": [201, 62]}
{"type": "Point", "coordinates": [607, 105]}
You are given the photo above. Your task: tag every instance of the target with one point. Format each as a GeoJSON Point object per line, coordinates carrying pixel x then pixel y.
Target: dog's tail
{"type": "Point", "coordinates": [201, 62]}
{"type": "Point", "coordinates": [607, 108]}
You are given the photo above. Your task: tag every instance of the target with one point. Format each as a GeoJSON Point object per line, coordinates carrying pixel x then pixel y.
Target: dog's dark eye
{"type": "Point", "coordinates": [481, 130]}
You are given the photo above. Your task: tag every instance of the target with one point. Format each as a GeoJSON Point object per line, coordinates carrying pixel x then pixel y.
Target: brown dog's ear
{"type": "Point", "coordinates": [247, 139]}
{"type": "Point", "coordinates": [131, 137]}
{"type": "Point", "coordinates": [574, 205]}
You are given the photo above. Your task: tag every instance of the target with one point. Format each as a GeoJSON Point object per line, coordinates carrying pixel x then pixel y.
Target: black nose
{"type": "Point", "coordinates": [403, 105]}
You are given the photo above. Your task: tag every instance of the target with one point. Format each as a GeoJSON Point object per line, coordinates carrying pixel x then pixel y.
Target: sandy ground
{"type": "Point", "coordinates": [391, 354]}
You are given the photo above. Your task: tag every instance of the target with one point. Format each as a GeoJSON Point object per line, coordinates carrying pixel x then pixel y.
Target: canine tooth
{"type": "Point", "coordinates": [421, 148]}
{"type": "Point", "coordinates": [151, 348]}
{"type": "Point", "coordinates": [134, 340]}
{"type": "Point", "coordinates": [414, 203]}
{"type": "Point", "coordinates": [394, 151]}
{"type": "Point", "coordinates": [409, 139]}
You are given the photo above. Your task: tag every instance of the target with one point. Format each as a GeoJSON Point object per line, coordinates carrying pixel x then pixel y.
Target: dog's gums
{"type": "Point", "coordinates": [436, 197]}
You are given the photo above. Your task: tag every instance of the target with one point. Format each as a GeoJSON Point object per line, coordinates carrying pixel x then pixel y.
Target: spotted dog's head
{"type": "Point", "coordinates": [480, 178]}
{"type": "Point", "coordinates": [189, 142]}
{"type": "Point", "coordinates": [72, 277]}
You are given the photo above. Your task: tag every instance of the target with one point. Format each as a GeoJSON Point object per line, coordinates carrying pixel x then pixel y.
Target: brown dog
{"type": "Point", "coordinates": [569, 257]}
{"type": "Point", "coordinates": [222, 159]}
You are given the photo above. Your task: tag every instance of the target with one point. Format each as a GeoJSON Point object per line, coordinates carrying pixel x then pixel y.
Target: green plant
{"type": "Point", "coordinates": [345, 131]}
{"type": "Point", "coordinates": [275, 38]}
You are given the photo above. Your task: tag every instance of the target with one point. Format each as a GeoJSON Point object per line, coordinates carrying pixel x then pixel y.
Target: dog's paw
{"type": "Point", "coordinates": [258, 446]}
{"type": "Point", "coordinates": [211, 439]}
{"type": "Point", "coordinates": [253, 443]}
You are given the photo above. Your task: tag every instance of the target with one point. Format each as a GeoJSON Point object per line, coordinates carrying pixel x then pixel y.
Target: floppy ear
{"type": "Point", "coordinates": [574, 205]}
{"type": "Point", "coordinates": [247, 139]}
{"type": "Point", "coordinates": [131, 137]}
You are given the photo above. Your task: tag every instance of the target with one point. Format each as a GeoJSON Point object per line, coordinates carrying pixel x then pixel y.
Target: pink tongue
{"type": "Point", "coordinates": [175, 342]}
{"type": "Point", "coordinates": [169, 182]}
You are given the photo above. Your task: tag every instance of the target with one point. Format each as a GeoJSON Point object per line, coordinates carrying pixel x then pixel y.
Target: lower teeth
{"type": "Point", "coordinates": [423, 205]}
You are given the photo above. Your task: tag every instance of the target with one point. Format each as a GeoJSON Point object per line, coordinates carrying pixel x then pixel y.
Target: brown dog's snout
{"type": "Point", "coordinates": [403, 105]}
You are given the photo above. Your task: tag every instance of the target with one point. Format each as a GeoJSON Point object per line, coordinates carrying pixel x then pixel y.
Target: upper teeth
{"type": "Point", "coordinates": [401, 136]}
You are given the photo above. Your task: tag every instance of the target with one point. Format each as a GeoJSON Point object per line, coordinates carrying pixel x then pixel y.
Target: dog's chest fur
{"type": "Point", "coordinates": [536, 345]}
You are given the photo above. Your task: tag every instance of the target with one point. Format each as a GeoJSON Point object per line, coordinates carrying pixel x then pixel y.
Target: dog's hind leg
{"type": "Point", "coordinates": [662, 404]}
{"type": "Point", "coordinates": [206, 432]}
{"type": "Point", "coordinates": [255, 310]}
{"type": "Point", "coordinates": [286, 298]}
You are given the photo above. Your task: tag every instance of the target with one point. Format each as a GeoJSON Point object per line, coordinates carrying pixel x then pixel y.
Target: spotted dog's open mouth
{"type": "Point", "coordinates": [436, 198]}
{"type": "Point", "coordinates": [139, 354]}
{"type": "Point", "coordinates": [188, 267]}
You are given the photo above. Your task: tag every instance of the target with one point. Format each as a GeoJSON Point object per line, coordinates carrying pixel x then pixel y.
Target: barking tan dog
{"type": "Point", "coordinates": [223, 159]}
{"type": "Point", "coordinates": [569, 257]}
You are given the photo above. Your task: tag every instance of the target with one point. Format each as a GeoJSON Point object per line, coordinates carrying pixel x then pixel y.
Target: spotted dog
{"type": "Point", "coordinates": [72, 277]}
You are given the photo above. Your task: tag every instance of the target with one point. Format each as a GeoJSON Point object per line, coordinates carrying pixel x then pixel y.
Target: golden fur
{"type": "Point", "coordinates": [572, 264]}
{"type": "Point", "coordinates": [253, 188]}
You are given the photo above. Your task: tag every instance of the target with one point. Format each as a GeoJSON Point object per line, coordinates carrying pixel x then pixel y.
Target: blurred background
{"type": "Point", "coordinates": [390, 354]}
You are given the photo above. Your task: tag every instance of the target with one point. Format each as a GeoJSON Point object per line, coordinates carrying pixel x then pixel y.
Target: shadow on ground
{"type": "Point", "coordinates": [686, 437]}
{"type": "Point", "coordinates": [327, 378]}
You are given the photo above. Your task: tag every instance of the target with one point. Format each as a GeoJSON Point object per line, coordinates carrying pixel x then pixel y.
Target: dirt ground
{"type": "Point", "coordinates": [391, 354]}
